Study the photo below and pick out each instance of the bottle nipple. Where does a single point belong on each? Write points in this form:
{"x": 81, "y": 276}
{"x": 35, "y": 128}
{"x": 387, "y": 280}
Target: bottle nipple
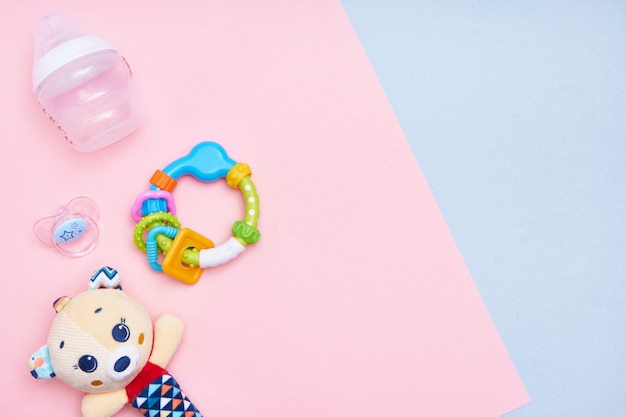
{"x": 60, "y": 40}
{"x": 54, "y": 29}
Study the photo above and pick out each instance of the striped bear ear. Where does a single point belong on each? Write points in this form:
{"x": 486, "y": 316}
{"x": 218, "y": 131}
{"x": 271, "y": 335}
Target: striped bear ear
{"x": 40, "y": 365}
{"x": 105, "y": 277}
{"x": 60, "y": 303}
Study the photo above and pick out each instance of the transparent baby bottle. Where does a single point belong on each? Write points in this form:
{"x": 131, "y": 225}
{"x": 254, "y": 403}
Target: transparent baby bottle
{"x": 83, "y": 84}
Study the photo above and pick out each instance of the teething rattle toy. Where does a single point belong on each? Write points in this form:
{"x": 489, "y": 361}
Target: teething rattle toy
{"x": 72, "y": 230}
{"x": 103, "y": 342}
{"x": 158, "y": 231}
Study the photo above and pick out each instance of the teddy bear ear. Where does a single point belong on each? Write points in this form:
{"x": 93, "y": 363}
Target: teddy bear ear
{"x": 60, "y": 303}
{"x": 40, "y": 365}
{"x": 105, "y": 277}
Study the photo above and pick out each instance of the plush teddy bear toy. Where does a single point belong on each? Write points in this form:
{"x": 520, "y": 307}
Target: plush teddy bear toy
{"x": 103, "y": 342}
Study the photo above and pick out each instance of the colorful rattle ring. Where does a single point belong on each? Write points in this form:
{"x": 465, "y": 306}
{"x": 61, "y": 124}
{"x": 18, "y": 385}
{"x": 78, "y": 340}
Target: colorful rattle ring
{"x": 158, "y": 231}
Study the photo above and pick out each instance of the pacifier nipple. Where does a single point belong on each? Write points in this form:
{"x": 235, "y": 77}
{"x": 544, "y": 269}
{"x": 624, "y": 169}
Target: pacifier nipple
{"x": 73, "y": 231}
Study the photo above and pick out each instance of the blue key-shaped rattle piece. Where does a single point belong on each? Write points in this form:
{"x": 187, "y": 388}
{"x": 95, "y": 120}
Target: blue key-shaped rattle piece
{"x": 207, "y": 161}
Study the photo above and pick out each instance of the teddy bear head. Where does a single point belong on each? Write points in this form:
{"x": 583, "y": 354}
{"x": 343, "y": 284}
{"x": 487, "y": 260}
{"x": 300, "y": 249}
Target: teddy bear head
{"x": 99, "y": 340}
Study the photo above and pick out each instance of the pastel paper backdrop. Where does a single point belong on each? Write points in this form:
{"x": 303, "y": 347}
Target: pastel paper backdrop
{"x": 355, "y": 302}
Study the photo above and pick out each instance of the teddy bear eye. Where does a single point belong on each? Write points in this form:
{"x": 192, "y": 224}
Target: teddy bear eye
{"x": 88, "y": 363}
{"x": 121, "y": 332}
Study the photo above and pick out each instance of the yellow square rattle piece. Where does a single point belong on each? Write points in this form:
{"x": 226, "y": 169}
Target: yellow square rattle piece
{"x": 174, "y": 262}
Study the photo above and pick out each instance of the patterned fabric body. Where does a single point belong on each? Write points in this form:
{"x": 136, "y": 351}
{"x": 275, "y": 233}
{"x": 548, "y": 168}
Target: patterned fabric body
{"x": 164, "y": 398}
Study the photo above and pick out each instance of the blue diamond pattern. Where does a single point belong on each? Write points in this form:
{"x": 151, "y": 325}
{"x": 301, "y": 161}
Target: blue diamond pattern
{"x": 164, "y": 394}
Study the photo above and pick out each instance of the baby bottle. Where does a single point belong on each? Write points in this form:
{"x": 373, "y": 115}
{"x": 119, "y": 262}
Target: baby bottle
{"x": 83, "y": 84}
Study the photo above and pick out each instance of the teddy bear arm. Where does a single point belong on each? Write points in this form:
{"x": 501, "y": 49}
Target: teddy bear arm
{"x": 103, "y": 404}
{"x": 168, "y": 332}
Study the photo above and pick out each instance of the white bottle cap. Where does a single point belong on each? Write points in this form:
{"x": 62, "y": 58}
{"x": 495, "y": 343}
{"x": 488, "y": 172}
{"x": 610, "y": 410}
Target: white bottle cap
{"x": 60, "y": 40}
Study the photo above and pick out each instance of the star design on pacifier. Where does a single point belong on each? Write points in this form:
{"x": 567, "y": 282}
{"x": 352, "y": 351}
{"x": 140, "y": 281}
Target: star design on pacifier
{"x": 67, "y": 235}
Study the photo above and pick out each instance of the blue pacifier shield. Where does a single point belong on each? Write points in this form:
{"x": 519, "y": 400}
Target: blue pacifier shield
{"x": 70, "y": 230}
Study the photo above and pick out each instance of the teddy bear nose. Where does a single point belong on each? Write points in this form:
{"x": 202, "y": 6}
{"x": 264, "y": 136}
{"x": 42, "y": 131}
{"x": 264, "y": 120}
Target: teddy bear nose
{"x": 121, "y": 364}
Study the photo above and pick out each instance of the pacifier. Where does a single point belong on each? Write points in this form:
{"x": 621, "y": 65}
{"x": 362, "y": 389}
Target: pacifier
{"x": 73, "y": 231}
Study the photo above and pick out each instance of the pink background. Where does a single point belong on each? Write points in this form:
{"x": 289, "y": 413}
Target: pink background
{"x": 355, "y": 302}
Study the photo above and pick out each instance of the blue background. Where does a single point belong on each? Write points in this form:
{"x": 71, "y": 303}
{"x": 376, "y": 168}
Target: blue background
{"x": 516, "y": 113}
